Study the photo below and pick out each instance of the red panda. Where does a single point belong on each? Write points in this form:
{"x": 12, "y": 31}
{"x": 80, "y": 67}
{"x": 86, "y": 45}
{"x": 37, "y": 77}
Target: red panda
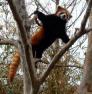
{"x": 53, "y": 27}
{"x": 14, "y": 65}
{"x": 44, "y": 37}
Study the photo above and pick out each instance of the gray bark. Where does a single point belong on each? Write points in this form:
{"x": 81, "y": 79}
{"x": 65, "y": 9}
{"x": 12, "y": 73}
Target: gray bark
{"x": 86, "y": 84}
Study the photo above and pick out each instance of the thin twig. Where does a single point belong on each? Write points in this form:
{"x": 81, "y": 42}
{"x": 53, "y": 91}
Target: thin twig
{"x": 58, "y": 65}
{"x": 5, "y": 41}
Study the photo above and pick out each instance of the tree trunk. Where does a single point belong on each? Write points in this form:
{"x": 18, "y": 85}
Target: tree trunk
{"x": 86, "y": 84}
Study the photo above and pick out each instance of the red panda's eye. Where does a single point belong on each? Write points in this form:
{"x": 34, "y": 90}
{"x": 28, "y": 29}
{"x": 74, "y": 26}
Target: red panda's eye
{"x": 63, "y": 16}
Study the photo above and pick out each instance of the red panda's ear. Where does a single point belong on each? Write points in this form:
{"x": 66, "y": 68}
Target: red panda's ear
{"x": 59, "y": 8}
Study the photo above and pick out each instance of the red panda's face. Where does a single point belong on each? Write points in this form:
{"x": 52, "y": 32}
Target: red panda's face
{"x": 63, "y": 13}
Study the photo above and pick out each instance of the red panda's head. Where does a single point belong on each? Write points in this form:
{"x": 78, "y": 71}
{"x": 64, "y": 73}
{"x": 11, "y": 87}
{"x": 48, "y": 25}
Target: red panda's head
{"x": 63, "y": 12}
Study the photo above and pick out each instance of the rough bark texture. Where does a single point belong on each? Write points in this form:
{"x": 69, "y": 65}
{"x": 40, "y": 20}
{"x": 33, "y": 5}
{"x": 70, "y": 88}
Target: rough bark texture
{"x": 20, "y": 15}
{"x": 86, "y": 85}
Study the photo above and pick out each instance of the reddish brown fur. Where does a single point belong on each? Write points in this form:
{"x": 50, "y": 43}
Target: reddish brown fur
{"x": 47, "y": 35}
{"x": 13, "y": 66}
{"x": 38, "y": 36}
{"x": 34, "y": 41}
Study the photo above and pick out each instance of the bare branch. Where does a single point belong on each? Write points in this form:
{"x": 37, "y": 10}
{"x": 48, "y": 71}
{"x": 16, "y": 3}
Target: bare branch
{"x": 24, "y": 41}
{"x": 81, "y": 32}
{"x": 84, "y": 21}
{"x": 9, "y": 42}
{"x": 71, "y": 3}
{"x": 78, "y": 16}
{"x": 5, "y": 41}
{"x": 38, "y": 4}
{"x": 58, "y": 65}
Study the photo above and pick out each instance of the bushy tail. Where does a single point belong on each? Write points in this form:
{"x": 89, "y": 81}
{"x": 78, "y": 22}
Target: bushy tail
{"x": 13, "y": 66}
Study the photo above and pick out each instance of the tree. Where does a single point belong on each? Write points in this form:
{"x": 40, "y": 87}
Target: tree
{"x": 86, "y": 84}
{"x": 31, "y": 81}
